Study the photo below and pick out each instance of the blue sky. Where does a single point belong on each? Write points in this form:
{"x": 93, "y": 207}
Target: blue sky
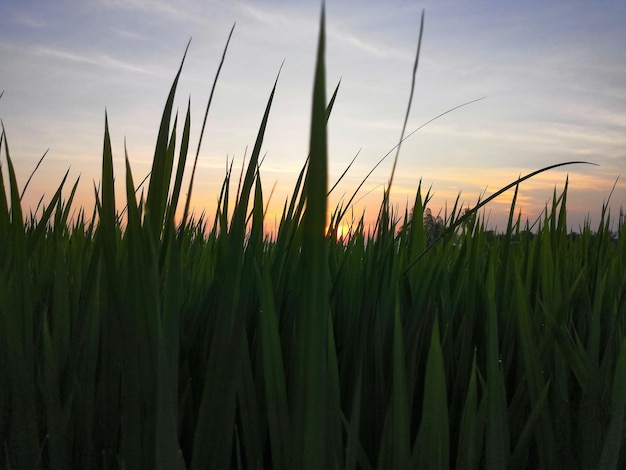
{"x": 553, "y": 74}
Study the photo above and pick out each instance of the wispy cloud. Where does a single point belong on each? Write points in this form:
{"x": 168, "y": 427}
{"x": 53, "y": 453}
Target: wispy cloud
{"x": 26, "y": 19}
{"x": 112, "y": 62}
{"x": 280, "y": 20}
{"x": 372, "y": 48}
{"x": 172, "y": 11}
{"x": 125, "y": 33}
{"x": 543, "y": 135}
{"x": 100, "y": 60}
{"x": 65, "y": 55}
{"x": 144, "y": 5}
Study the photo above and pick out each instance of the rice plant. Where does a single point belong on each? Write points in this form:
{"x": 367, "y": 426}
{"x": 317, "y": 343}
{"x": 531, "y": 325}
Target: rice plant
{"x": 131, "y": 340}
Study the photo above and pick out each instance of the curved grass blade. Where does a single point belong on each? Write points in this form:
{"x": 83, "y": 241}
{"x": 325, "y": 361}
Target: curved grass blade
{"x": 4, "y": 205}
{"x": 68, "y": 205}
{"x": 206, "y": 115}
{"x": 344, "y": 173}
{"x": 16, "y": 208}
{"x": 408, "y": 108}
{"x": 384, "y": 157}
{"x": 238, "y": 223}
{"x": 33, "y": 173}
{"x": 470, "y": 213}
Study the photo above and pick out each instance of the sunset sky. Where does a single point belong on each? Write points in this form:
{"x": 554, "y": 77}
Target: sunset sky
{"x": 553, "y": 74}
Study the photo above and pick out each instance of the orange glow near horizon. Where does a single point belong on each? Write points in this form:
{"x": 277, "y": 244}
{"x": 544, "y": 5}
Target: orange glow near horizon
{"x": 533, "y": 197}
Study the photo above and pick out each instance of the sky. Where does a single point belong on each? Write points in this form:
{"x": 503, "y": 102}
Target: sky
{"x": 553, "y": 75}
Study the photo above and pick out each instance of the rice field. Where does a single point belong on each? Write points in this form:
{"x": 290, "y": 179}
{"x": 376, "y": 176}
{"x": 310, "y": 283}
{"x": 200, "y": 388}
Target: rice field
{"x": 131, "y": 338}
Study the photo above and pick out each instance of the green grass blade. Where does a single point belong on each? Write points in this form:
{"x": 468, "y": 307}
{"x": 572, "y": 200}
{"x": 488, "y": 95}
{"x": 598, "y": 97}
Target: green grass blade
{"x": 134, "y": 221}
{"x": 16, "y": 207}
{"x": 408, "y": 108}
{"x": 312, "y": 382}
{"x": 400, "y": 401}
{"x": 56, "y": 349}
{"x": 206, "y": 114}
{"x": 106, "y": 414}
{"x": 4, "y": 205}
{"x": 252, "y": 433}
{"x": 157, "y": 197}
{"x": 469, "y": 450}
{"x": 518, "y": 458}
{"x": 497, "y": 438}
{"x": 352, "y": 427}
{"x": 256, "y": 230}
{"x": 169, "y": 164}
{"x": 614, "y": 439}
{"x": 335, "y": 448}
{"x": 274, "y": 377}
{"x": 68, "y": 204}
{"x": 44, "y": 220}
{"x": 432, "y": 446}
{"x": 213, "y": 439}
{"x": 343, "y": 174}
{"x": 293, "y": 213}
{"x": 182, "y": 159}
{"x": 238, "y": 223}
{"x": 168, "y": 454}
{"x": 107, "y": 214}
{"x": 33, "y": 173}
{"x": 533, "y": 369}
